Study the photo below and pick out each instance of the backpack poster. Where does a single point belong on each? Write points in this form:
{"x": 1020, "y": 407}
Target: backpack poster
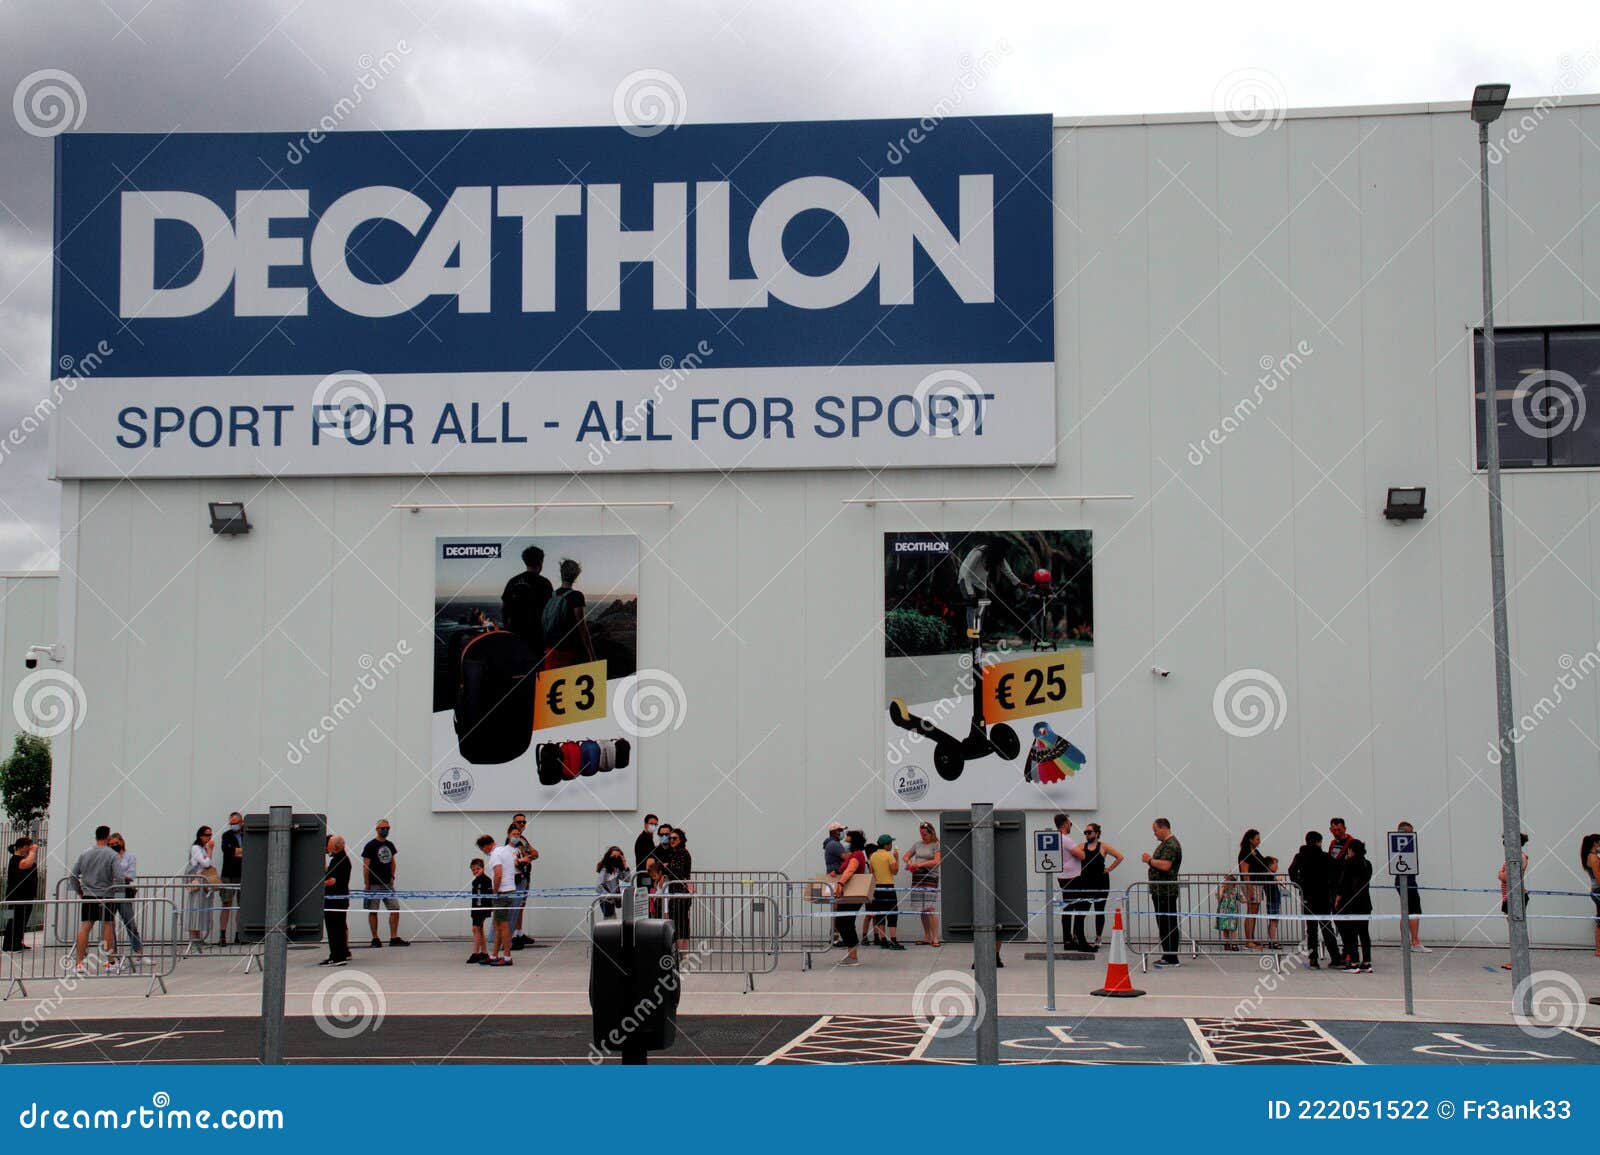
{"x": 989, "y": 671}
{"x": 534, "y": 659}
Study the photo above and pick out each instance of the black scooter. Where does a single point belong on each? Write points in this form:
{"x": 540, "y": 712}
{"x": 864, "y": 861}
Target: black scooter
{"x": 950, "y": 754}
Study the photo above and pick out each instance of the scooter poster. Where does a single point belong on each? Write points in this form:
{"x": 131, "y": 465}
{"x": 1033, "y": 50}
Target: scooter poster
{"x": 989, "y": 671}
{"x": 534, "y": 667}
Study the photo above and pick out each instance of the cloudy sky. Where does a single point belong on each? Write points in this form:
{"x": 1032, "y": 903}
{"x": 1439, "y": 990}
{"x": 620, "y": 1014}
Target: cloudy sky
{"x": 163, "y": 65}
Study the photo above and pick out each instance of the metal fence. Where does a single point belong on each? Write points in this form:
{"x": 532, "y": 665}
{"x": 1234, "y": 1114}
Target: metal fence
{"x": 1204, "y": 927}
{"x": 743, "y": 921}
{"x": 34, "y": 960}
{"x": 199, "y": 905}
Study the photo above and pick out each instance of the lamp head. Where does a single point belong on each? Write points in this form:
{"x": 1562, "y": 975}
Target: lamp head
{"x": 1489, "y": 101}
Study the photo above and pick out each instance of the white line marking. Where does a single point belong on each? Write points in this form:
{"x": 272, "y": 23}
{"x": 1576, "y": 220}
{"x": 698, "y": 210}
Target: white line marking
{"x": 798, "y": 1039}
{"x": 1207, "y": 1055}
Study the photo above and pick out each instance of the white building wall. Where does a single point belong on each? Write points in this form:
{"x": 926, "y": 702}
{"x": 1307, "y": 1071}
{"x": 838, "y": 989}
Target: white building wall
{"x": 1186, "y": 259}
{"x": 27, "y": 618}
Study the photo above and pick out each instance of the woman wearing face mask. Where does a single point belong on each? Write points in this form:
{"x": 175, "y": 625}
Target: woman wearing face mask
{"x": 611, "y": 871}
{"x": 200, "y": 878}
{"x": 678, "y": 865}
{"x": 128, "y": 874}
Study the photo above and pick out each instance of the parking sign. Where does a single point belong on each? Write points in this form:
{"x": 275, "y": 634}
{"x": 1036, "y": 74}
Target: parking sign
{"x": 1047, "y": 851}
{"x": 1402, "y": 853}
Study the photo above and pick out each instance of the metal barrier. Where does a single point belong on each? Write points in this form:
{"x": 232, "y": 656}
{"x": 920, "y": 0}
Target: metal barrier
{"x": 1199, "y": 919}
{"x": 742, "y": 921}
{"x": 39, "y": 961}
{"x": 199, "y": 905}
{"x": 732, "y": 930}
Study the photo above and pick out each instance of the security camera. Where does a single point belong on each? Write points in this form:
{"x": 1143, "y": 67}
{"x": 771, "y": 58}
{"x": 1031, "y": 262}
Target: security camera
{"x": 55, "y": 651}
{"x": 1160, "y": 671}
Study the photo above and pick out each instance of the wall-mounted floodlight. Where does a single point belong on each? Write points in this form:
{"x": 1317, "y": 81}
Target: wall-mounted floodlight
{"x": 1406, "y": 502}
{"x": 227, "y": 517}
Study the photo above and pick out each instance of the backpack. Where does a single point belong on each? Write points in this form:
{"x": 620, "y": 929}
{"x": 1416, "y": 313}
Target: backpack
{"x": 548, "y": 759}
{"x": 556, "y": 619}
{"x": 494, "y": 707}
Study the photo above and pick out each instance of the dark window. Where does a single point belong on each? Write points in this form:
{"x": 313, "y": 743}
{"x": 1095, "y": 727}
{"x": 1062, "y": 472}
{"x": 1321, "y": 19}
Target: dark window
{"x": 1545, "y": 380}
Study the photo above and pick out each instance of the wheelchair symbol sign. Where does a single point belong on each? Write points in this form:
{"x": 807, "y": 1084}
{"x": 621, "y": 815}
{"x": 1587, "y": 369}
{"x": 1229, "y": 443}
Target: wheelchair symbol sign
{"x": 1046, "y": 851}
{"x": 1403, "y": 853}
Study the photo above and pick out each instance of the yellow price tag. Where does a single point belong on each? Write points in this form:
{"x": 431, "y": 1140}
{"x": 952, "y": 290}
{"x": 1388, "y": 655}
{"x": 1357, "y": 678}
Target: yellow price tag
{"x": 1042, "y": 684}
{"x": 569, "y": 694}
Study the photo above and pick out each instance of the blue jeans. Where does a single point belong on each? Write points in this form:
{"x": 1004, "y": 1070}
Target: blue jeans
{"x": 125, "y": 913}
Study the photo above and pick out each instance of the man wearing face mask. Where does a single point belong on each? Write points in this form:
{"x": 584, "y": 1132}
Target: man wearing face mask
{"x": 644, "y": 846}
{"x": 232, "y": 872}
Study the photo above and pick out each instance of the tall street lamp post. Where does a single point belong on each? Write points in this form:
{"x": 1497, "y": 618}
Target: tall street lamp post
{"x": 1488, "y": 101}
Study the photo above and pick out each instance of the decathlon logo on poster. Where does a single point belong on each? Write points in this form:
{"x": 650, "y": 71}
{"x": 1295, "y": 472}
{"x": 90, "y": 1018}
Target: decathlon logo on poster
{"x": 487, "y": 550}
{"x": 921, "y": 545}
{"x": 456, "y": 785}
{"x": 911, "y": 783}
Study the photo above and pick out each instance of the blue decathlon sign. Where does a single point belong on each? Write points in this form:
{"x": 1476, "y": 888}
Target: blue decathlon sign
{"x": 541, "y": 299}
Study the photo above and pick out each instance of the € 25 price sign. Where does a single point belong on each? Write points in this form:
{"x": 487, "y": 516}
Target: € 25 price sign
{"x": 1041, "y": 684}
{"x": 570, "y": 694}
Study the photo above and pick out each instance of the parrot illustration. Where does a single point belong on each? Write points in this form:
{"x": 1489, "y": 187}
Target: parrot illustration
{"x": 1051, "y": 758}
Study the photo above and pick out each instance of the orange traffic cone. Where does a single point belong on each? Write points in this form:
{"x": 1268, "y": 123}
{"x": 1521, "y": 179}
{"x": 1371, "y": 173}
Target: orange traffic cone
{"x": 1118, "y": 984}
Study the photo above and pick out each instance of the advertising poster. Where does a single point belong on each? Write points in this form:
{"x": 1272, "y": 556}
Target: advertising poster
{"x": 989, "y": 680}
{"x": 535, "y": 648}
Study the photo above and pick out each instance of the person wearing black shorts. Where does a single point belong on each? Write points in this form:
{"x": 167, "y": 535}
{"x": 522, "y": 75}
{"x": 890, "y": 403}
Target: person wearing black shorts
{"x": 1411, "y": 900}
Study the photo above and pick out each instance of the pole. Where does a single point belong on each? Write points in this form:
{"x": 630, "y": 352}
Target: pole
{"x": 1511, "y": 824}
{"x": 1405, "y": 948}
{"x": 983, "y": 934}
{"x": 1049, "y": 945}
{"x": 275, "y": 959}
{"x": 633, "y": 1053}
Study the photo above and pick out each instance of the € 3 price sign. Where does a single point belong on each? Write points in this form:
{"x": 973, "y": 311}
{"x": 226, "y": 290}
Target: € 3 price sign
{"x": 569, "y": 694}
{"x": 1041, "y": 684}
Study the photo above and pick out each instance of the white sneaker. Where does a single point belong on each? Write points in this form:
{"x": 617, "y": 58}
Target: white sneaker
{"x": 1419, "y": 948}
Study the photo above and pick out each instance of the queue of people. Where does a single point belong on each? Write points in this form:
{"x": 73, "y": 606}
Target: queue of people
{"x": 869, "y": 883}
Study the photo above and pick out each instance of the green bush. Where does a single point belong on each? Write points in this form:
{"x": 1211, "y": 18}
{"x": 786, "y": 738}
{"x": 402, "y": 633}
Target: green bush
{"x": 25, "y": 781}
{"x": 911, "y": 633}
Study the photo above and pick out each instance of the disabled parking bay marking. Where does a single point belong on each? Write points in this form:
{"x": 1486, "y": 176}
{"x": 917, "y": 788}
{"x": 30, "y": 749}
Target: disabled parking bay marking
{"x": 1444, "y": 1043}
{"x": 1089, "y": 1040}
{"x": 1248, "y": 1041}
